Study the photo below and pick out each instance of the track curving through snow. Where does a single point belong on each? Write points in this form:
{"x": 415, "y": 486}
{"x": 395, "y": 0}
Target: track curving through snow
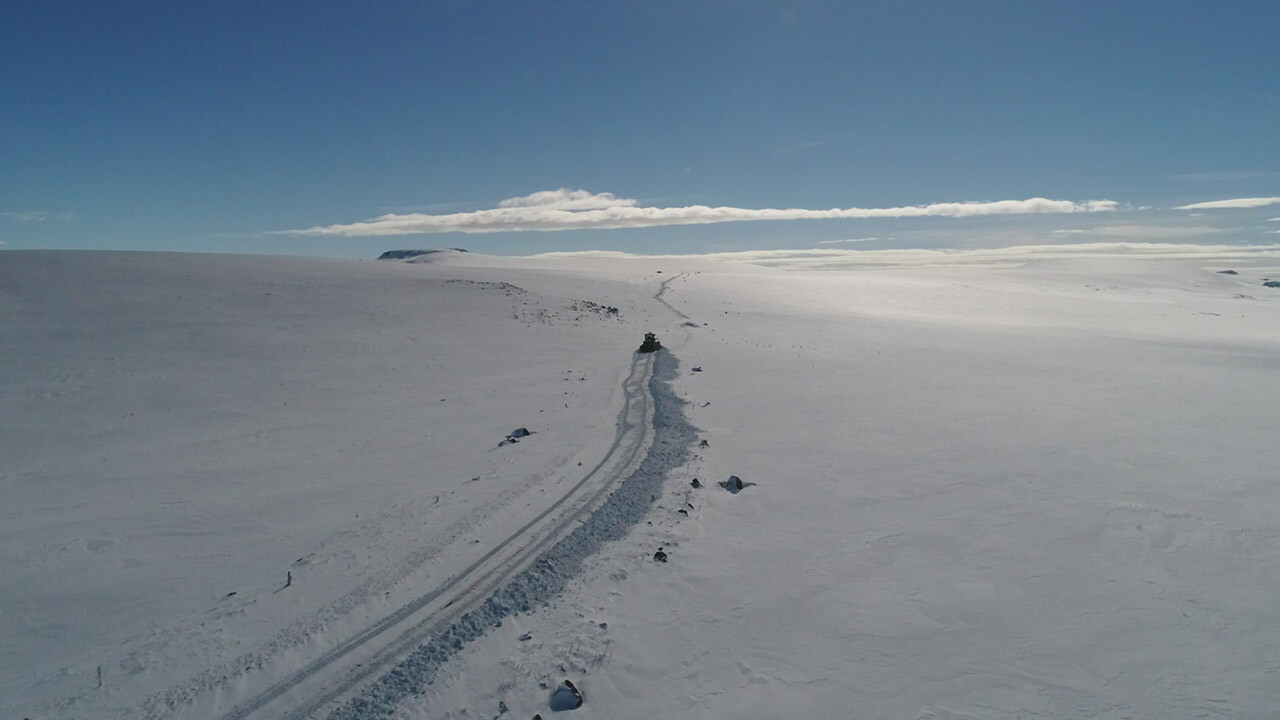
{"x": 524, "y": 570}
{"x": 663, "y": 287}
{"x": 553, "y": 567}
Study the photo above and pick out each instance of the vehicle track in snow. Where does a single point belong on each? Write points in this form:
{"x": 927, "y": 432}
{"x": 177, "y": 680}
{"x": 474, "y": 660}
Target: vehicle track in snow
{"x": 383, "y": 643}
{"x": 662, "y": 290}
{"x": 553, "y": 568}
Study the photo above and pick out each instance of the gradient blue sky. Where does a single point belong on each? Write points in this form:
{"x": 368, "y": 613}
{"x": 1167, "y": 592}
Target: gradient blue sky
{"x": 210, "y": 126}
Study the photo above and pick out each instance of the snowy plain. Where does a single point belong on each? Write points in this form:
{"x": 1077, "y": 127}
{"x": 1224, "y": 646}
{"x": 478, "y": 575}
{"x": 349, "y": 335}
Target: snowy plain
{"x": 1031, "y": 482}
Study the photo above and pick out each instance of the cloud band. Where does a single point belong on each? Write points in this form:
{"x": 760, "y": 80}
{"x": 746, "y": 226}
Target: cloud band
{"x": 1232, "y": 203}
{"x": 563, "y": 209}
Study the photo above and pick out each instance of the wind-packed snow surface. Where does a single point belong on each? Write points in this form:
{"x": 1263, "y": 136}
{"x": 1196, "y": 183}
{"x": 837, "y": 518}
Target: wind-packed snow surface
{"x": 1036, "y": 482}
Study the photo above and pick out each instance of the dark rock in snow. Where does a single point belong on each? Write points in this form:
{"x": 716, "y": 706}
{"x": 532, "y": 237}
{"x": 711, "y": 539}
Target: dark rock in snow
{"x": 515, "y": 435}
{"x": 735, "y": 485}
{"x": 659, "y": 556}
{"x": 1228, "y": 272}
{"x": 1272, "y": 283}
{"x": 695, "y": 483}
{"x": 696, "y": 369}
{"x": 566, "y": 697}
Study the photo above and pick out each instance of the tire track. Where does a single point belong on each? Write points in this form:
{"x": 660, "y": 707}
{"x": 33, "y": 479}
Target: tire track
{"x": 480, "y": 577}
{"x": 662, "y": 290}
{"x": 551, "y": 572}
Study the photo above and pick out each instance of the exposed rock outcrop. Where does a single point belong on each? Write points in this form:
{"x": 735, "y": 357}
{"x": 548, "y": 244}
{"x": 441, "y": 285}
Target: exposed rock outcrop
{"x": 566, "y": 697}
{"x": 406, "y": 254}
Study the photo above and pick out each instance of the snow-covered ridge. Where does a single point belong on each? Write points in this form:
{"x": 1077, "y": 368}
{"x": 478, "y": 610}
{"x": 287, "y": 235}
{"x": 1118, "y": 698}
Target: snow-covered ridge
{"x": 419, "y": 255}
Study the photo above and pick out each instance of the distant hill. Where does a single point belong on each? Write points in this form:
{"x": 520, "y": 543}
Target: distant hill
{"x": 407, "y": 254}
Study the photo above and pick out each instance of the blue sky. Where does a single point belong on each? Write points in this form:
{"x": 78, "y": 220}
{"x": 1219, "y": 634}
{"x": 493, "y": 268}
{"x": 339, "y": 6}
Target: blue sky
{"x": 215, "y": 127}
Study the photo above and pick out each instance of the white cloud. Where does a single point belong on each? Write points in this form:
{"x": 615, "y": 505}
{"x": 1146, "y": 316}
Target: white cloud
{"x": 809, "y": 145}
{"x": 37, "y": 216}
{"x": 1232, "y": 203}
{"x": 1273, "y": 219}
{"x": 1144, "y": 232}
{"x": 565, "y": 199}
{"x": 850, "y": 240}
{"x": 564, "y": 209}
{"x": 27, "y": 216}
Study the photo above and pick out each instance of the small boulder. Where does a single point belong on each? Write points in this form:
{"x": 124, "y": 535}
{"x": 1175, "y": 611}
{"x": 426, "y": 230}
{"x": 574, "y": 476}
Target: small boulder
{"x": 1228, "y": 272}
{"x": 566, "y": 697}
{"x": 1272, "y": 283}
{"x": 697, "y": 369}
{"x": 696, "y": 484}
{"x": 515, "y": 435}
{"x": 735, "y": 485}
{"x": 660, "y": 556}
